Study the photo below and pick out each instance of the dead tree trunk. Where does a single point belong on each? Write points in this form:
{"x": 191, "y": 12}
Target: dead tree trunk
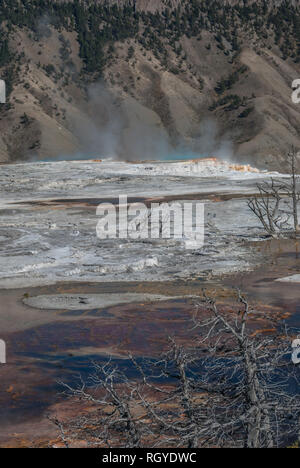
{"x": 292, "y": 160}
{"x": 270, "y": 205}
{"x": 227, "y": 390}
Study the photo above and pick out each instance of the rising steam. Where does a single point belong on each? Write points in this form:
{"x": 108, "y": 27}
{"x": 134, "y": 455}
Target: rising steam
{"x": 124, "y": 129}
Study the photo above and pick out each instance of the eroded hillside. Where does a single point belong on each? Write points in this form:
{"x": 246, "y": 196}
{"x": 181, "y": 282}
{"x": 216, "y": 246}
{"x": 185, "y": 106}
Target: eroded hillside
{"x": 125, "y": 80}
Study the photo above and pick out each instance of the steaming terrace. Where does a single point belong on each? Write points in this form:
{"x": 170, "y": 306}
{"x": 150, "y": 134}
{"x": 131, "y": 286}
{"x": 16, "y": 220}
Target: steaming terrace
{"x": 48, "y": 221}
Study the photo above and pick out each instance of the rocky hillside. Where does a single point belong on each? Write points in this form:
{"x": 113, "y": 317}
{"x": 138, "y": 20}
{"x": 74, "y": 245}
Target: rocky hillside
{"x": 146, "y": 80}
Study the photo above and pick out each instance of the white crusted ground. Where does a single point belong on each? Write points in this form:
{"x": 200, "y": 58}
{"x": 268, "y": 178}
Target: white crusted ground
{"x": 89, "y": 301}
{"x": 48, "y": 233}
{"x": 290, "y": 279}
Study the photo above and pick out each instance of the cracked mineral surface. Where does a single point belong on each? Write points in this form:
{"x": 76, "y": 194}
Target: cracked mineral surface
{"x": 48, "y": 221}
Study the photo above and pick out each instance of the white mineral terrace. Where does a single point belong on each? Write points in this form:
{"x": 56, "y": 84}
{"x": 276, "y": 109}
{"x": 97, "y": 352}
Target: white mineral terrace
{"x": 48, "y": 221}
